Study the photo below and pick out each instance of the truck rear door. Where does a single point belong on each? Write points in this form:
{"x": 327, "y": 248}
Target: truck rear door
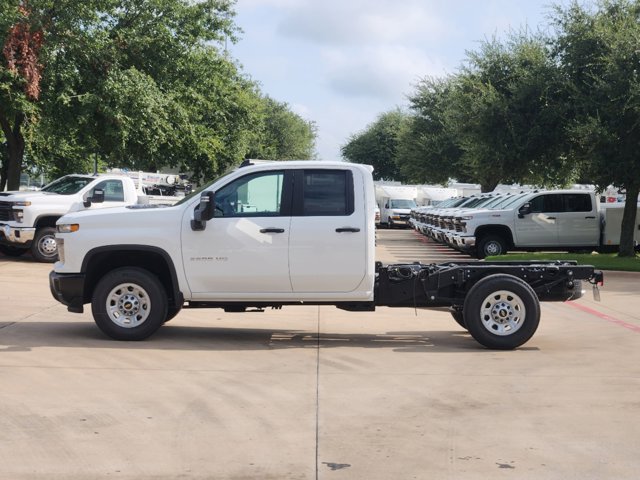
{"x": 579, "y": 221}
{"x": 327, "y": 245}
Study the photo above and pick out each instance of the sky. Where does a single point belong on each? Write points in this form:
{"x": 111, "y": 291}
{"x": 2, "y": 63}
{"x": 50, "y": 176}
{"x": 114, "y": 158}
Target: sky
{"x": 341, "y": 63}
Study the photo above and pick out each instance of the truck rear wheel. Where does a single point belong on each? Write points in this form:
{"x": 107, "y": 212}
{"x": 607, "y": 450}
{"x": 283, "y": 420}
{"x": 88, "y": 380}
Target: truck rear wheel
{"x": 501, "y": 312}
{"x": 44, "y": 248}
{"x": 129, "y": 304}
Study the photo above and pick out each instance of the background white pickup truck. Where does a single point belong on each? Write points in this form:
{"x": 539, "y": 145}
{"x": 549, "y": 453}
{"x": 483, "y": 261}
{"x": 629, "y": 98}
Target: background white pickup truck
{"x": 28, "y": 219}
{"x": 556, "y": 220}
{"x": 282, "y": 233}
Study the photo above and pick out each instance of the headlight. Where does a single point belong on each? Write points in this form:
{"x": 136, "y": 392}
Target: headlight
{"x": 68, "y": 227}
{"x": 18, "y": 215}
{"x": 21, "y": 204}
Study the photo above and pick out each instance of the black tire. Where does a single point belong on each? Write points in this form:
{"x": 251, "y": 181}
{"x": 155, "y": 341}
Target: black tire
{"x": 491, "y": 245}
{"x": 129, "y": 303}
{"x": 11, "y": 251}
{"x": 44, "y": 248}
{"x": 501, "y": 312}
{"x": 458, "y": 316}
{"x": 172, "y": 312}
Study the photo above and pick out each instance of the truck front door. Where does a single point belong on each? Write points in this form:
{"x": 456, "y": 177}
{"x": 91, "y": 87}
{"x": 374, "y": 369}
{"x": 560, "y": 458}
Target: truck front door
{"x": 539, "y": 227}
{"x": 244, "y": 248}
{"x": 113, "y": 194}
{"x": 327, "y": 252}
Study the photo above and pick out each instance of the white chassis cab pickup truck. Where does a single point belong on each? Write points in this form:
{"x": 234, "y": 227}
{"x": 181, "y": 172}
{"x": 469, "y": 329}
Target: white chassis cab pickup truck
{"x": 28, "y": 219}
{"x": 282, "y": 233}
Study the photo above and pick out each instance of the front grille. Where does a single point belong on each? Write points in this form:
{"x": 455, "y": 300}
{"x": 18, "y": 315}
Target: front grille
{"x": 6, "y": 212}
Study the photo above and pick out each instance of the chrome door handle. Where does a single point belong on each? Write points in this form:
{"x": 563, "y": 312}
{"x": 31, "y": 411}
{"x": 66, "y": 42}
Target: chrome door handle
{"x": 272, "y": 230}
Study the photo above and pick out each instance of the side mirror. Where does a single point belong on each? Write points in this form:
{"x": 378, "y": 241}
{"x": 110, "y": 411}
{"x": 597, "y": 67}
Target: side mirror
{"x": 98, "y": 197}
{"x": 203, "y": 212}
{"x": 524, "y": 210}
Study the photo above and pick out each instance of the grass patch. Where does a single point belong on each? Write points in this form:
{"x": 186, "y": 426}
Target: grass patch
{"x": 602, "y": 261}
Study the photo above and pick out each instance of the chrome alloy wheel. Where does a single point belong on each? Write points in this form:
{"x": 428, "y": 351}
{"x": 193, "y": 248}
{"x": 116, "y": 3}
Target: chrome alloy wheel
{"x": 47, "y": 246}
{"x": 128, "y": 305}
{"x": 493, "y": 248}
{"x": 503, "y": 313}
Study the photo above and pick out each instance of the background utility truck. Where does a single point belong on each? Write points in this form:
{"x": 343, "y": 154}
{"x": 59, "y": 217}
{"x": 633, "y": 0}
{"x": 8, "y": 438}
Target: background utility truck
{"x": 395, "y": 203}
{"x": 28, "y": 219}
{"x": 282, "y": 233}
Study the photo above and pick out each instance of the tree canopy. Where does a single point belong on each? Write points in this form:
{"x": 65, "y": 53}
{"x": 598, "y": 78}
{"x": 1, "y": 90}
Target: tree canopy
{"x": 378, "y": 144}
{"x": 531, "y": 109}
{"x": 138, "y": 84}
{"x": 598, "y": 52}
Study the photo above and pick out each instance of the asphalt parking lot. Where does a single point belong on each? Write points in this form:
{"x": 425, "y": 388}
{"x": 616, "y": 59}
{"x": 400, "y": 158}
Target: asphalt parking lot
{"x": 315, "y": 392}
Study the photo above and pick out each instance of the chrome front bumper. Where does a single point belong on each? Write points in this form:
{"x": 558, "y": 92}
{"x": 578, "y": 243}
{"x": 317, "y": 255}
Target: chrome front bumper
{"x": 464, "y": 243}
{"x": 16, "y": 235}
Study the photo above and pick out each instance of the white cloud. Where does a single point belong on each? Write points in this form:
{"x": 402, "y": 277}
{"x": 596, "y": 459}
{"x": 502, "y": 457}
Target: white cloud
{"x": 341, "y": 63}
{"x": 385, "y": 72}
{"x": 303, "y": 110}
{"x": 362, "y": 22}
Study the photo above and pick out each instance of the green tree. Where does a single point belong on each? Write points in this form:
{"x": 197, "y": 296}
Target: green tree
{"x": 378, "y": 145}
{"x": 428, "y": 151}
{"x": 598, "y": 49}
{"x": 118, "y": 79}
{"x": 507, "y": 112}
{"x": 282, "y": 134}
{"x": 22, "y": 34}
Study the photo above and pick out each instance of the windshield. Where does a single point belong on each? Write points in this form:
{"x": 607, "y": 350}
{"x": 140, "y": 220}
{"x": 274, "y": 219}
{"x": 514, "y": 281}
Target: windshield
{"x": 474, "y": 201}
{"x": 495, "y": 201}
{"x": 511, "y": 199}
{"x": 67, "y": 185}
{"x": 401, "y": 203}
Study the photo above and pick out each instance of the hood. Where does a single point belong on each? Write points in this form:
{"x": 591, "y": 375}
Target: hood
{"x": 124, "y": 214}
{"x": 23, "y": 196}
{"x": 400, "y": 210}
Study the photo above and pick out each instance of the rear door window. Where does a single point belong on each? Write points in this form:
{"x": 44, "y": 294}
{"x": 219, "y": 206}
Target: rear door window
{"x": 326, "y": 193}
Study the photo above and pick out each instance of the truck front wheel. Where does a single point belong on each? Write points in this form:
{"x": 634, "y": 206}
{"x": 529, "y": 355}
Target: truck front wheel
{"x": 44, "y": 248}
{"x": 501, "y": 312}
{"x": 129, "y": 304}
{"x": 491, "y": 245}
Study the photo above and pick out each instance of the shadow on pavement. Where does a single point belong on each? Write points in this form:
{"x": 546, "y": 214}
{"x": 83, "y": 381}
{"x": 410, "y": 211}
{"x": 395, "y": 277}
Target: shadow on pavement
{"x": 24, "y": 336}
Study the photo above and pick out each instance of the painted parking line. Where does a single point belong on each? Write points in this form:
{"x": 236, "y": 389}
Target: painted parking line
{"x": 608, "y": 318}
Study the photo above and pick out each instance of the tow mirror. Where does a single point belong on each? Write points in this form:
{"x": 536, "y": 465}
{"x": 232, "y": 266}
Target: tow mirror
{"x": 203, "y": 212}
{"x": 98, "y": 197}
{"x": 524, "y": 210}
